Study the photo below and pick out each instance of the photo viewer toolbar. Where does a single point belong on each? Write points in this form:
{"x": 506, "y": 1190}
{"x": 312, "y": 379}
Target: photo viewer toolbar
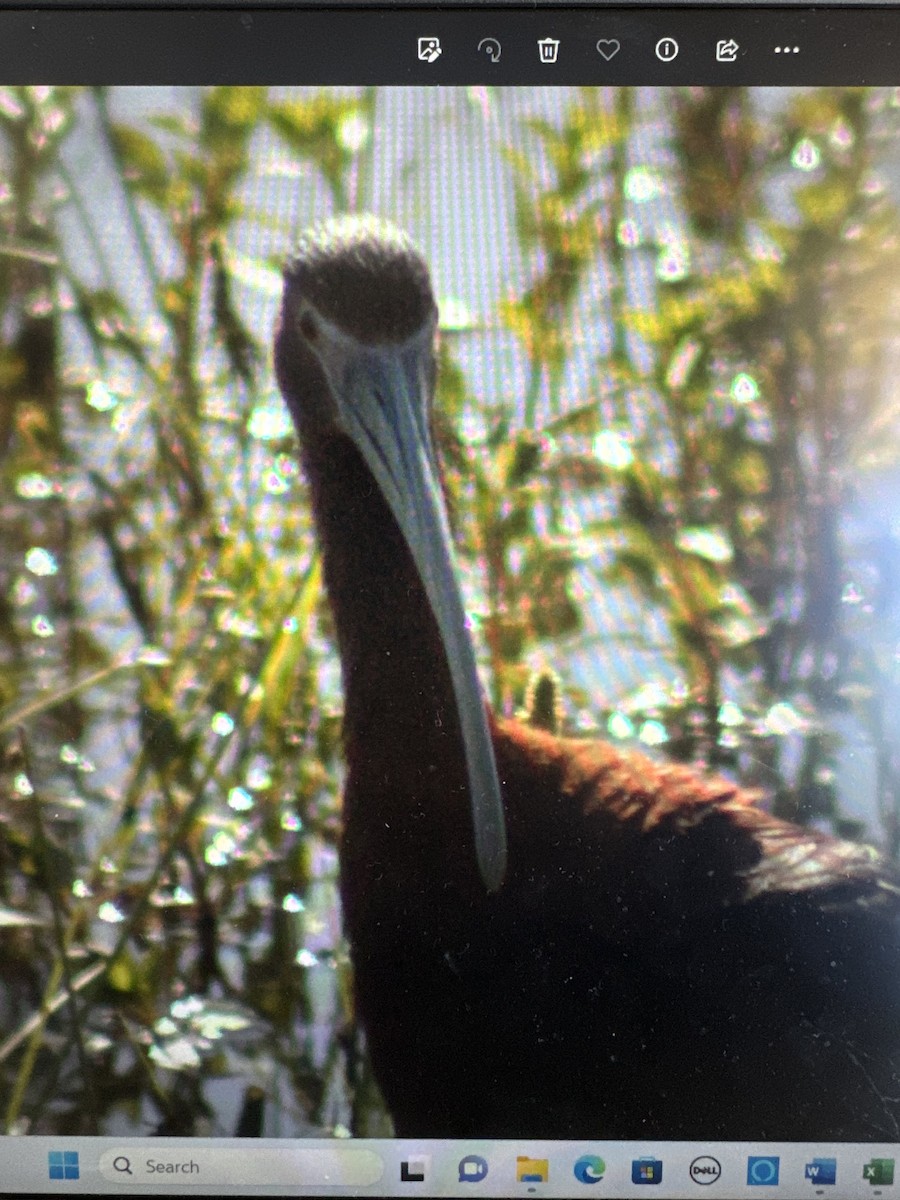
{"x": 433, "y": 46}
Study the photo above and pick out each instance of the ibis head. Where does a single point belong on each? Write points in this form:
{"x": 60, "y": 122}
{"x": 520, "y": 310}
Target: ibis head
{"x": 355, "y": 356}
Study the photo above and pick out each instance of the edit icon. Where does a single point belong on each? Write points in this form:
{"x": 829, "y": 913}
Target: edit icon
{"x": 429, "y": 49}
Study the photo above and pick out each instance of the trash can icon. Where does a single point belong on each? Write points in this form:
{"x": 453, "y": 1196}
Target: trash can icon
{"x": 548, "y": 49}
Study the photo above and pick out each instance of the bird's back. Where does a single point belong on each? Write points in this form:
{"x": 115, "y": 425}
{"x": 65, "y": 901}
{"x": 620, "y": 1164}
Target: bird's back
{"x": 665, "y": 957}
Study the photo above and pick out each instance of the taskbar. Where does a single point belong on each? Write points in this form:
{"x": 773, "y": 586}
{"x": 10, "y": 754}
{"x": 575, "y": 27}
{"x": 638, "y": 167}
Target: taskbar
{"x": 37, "y": 1166}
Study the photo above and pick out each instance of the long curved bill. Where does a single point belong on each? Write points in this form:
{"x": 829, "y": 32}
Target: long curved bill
{"x": 385, "y": 414}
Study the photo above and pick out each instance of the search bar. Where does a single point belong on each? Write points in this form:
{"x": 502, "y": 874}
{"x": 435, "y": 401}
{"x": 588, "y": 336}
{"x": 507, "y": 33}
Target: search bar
{"x": 143, "y": 1165}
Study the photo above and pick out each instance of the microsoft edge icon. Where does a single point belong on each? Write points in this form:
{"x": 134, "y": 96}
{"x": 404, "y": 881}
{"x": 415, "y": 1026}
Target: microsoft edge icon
{"x": 589, "y": 1168}
{"x": 762, "y": 1170}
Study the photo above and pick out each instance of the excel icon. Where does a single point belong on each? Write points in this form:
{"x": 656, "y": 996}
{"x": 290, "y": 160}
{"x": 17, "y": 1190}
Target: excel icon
{"x": 879, "y": 1172}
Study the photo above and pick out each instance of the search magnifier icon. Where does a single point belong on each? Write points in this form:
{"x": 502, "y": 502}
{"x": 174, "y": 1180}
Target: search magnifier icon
{"x": 123, "y": 1165}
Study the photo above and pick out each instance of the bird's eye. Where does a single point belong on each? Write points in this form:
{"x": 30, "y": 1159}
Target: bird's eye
{"x": 309, "y": 328}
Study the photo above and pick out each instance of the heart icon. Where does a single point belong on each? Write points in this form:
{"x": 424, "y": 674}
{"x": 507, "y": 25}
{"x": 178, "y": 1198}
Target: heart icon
{"x": 608, "y": 48}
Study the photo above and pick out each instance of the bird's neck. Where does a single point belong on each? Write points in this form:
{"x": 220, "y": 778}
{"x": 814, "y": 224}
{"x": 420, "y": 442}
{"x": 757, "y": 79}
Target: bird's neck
{"x": 400, "y": 715}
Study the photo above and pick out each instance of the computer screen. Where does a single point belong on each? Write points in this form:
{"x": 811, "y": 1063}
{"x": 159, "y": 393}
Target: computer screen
{"x": 449, "y": 618}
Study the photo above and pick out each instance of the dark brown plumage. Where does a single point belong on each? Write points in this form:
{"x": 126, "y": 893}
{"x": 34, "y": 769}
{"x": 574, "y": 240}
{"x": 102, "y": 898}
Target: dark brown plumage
{"x": 662, "y": 958}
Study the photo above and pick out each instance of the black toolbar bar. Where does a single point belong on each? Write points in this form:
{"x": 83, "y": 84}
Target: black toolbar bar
{"x": 653, "y": 46}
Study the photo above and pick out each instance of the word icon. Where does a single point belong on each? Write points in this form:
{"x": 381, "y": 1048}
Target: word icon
{"x": 429, "y": 49}
{"x": 548, "y": 49}
{"x": 821, "y": 1170}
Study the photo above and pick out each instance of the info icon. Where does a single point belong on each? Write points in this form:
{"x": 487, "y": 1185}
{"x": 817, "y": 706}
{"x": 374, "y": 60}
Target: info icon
{"x": 472, "y": 1169}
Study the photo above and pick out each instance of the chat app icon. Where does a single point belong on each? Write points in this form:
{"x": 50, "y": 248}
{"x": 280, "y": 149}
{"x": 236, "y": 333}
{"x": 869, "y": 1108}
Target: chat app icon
{"x": 472, "y": 1169}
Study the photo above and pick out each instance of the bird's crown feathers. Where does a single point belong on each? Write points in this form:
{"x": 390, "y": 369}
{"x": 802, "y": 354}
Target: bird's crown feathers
{"x": 365, "y": 276}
